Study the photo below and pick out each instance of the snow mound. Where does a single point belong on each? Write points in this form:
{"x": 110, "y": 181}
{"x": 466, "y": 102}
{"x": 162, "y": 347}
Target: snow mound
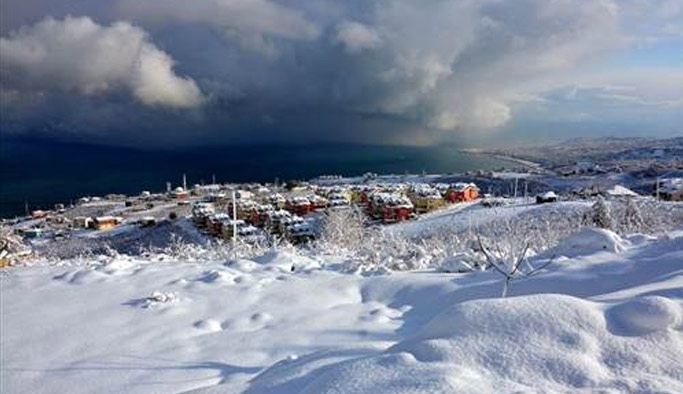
{"x": 640, "y": 239}
{"x": 214, "y": 276}
{"x": 539, "y": 343}
{"x": 644, "y": 315}
{"x": 590, "y": 240}
{"x": 242, "y": 265}
{"x": 287, "y": 261}
{"x": 461, "y": 262}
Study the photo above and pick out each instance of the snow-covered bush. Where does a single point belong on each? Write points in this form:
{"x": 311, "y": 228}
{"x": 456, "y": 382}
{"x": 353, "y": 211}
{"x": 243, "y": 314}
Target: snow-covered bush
{"x": 647, "y": 216}
{"x": 180, "y": 250}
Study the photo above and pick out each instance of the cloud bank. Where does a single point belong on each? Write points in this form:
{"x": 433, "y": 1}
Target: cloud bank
{"x": 78, "y": 55}
{"x": 361, "y": 71}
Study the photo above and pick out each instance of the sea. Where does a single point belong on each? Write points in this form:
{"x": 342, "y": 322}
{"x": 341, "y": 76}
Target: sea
{"x": 40, "y": 174}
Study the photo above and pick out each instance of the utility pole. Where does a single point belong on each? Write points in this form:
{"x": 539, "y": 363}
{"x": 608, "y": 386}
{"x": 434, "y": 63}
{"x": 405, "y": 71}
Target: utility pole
{"x": 234, "y": 217}
{"x": 516, "y": 180}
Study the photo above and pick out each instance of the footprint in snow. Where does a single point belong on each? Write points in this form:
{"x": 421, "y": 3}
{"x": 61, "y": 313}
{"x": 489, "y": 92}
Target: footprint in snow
{"x": 208, "y": 325}
{"x": 255, "y": 322}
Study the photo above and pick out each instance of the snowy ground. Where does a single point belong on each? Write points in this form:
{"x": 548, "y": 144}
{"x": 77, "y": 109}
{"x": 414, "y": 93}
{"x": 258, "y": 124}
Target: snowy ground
{"x": 607, "y": 318}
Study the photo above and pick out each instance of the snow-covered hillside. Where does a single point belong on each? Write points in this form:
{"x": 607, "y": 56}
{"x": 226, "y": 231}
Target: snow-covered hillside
{"x": 608, "y": 318}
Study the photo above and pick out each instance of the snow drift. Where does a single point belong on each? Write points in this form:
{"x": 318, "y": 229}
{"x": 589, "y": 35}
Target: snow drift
{"x": 541, "y": 343}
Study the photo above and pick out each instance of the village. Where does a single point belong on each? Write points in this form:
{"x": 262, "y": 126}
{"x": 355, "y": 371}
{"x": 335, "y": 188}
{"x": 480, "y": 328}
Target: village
{"x": 293, "y": 211}
{"x": 248, "y": 211}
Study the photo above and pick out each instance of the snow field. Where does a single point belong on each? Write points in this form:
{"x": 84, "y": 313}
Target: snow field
{"x": 606, "y": 316}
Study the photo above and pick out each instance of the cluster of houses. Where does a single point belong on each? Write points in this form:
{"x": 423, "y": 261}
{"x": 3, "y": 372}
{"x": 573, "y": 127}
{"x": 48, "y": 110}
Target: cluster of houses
{"x": 253, "y": 210}
{"x": 395, "y": 203}
{"x": 251, "y": 218}
{"x": 257, "y": 210}
{"x": 60, "y": 222}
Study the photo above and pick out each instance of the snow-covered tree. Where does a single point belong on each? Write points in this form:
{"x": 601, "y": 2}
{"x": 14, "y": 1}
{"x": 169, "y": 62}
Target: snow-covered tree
{"x": 633, "y": 220}
{"x": 600, "y": 214}
{"x": 10, "y": 246}
{"x": 343, "y": 229}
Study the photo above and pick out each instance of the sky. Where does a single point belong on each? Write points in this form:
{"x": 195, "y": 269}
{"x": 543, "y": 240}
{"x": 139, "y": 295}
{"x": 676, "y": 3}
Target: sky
{"x": 166, "y": 73}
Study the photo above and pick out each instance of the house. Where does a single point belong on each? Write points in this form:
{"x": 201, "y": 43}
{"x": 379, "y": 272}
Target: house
{"x": 619, "y": 191}
{"x": 277, "y": 220}
{"x": 362, "y": 194}
{"x": 260, "y": 214}
{"x": 337, "y": 192}
{"x": 38, "y": 214}
{"x": 390, "y": 208}
{"x": 425, "y": 199}
{"x": 671, "y": 189}
{"x": 397, "y": 210}
{"x": 200, "y": 212}
{"x": 338, "y": 203}
{"x": 586, "y": 191}
{"x": 180, "y": 194}
{"x": 245, "y": 209}
{"x": 299, "y": 206}
{"x": 300, "y": 233}
{"x": 288, "y": 223}
{"x": 215, "y": 222}
{"x": 547, "y": 197}
{"x": 205, "y": 190}
{"x": 243, "y": 195}
{"x": 33, "y": 233}
{"x": 277, "y": 201}
{"x": 104, "y": 222}
{"x": 82, "y": 222}
{"x": 318, "y": 202}
{"x": 461, "y": 192}
{"x": 147, "y": 221}
{"x": 56, "y": 219}
{"x": 343, "y": 196}
{"x": 243, "y": 229}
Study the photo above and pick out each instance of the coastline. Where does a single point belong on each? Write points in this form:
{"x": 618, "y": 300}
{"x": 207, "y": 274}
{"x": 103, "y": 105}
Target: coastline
{"x": 526, "y": 163}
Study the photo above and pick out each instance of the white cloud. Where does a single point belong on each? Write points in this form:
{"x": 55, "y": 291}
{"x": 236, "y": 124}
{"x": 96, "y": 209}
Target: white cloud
{"x": 76, "y": 54}
{"x": 357, "y": 37}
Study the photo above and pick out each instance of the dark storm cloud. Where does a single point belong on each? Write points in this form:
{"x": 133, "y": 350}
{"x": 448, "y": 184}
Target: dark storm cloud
{"x": 205, "y": 71}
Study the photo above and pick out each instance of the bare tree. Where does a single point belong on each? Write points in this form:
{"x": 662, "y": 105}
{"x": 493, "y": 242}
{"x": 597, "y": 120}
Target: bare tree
{"x": 512, "y": 265}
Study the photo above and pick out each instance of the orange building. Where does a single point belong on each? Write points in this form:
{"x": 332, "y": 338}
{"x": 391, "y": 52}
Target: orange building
{"x": 461, "y": 192}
